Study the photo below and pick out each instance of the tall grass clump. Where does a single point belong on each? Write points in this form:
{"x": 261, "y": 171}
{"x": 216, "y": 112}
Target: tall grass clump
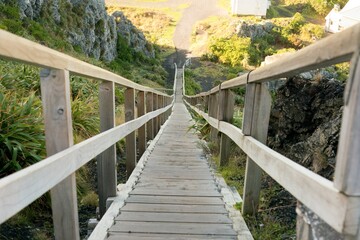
{"x": 21, "y": 132}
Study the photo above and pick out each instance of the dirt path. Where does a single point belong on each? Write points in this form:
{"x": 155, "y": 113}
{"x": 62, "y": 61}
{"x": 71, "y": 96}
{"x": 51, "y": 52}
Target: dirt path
{"x": 197, "y": 11}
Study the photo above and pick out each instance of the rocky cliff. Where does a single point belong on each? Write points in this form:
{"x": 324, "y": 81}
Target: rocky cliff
{"x": 88, "y": 26}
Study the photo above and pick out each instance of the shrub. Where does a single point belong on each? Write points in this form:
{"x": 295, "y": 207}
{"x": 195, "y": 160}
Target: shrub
{"x": 232, "y": 51}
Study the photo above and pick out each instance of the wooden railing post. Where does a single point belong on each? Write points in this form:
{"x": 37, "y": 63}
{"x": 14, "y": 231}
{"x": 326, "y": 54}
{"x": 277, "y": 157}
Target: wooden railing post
{"x": 55, "y": 94}
{"x": 213, "y": 108}
{"x": 142, "y": 130}
{"x": 347, "y": 171}
{"x": 149, "y": 124}
{"x": 255, "y": 124}
{"x": 156, "y": 119}
{"x": 106, "y": 161}
{"x": 226, "y": 113}
{"x": 159, "y": 105}
{"x": 130, "y": 140}
{"x": 206, "y": 103}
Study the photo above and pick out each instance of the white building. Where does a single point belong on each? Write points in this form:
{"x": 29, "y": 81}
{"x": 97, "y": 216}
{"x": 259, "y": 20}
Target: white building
{"x": 250, "y": 7}
{"x": 339, "y": 19}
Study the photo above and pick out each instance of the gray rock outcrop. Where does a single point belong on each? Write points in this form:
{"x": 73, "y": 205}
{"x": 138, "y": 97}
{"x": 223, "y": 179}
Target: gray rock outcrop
{"x": 135, "y": 38}
{"x": 88, "y": 26}
{"x": 254, "y": 30}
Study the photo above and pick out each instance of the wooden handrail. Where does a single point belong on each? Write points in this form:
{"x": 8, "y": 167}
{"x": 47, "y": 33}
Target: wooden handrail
{"x": 19, "y": 49}
{"x": 56, "y": 173}
{"x": 338, "y": 202}
{"x": 18, "y": 190}
{"x": 318, "y": 55}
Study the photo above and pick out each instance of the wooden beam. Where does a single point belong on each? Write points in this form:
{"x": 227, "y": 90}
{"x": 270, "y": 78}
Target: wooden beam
{"x": 142, "y": 130}
{"x": 213, "y": 109}
{"x": 55, "y": 94}
{"x": 226, "y": 113}
{"x": 130, "y": 140}
{"x": 260, "y": 102}
{"x": 149, "y": 108}
{"x": 347, "y": 171}
{"x": 156, "y": 120}
{"x": 160, "y": 118}
{"x": 106, "y": 161}
{"x": 20, "y": 49}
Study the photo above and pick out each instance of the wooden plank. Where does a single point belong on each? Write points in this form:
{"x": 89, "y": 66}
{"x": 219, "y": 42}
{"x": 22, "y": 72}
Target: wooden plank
{"x": 314, "y": 191}
{"x": 59, "y": 166}
{"x": 179, "y": 176}
{"x": 159, "y": 121}
{"x": 106, "y": 161}
{"x": 173, "y": 217}
{"x": 173, "y": 208}
{"x": 100, "y": 231}
{"x": 130, "y": 141}
{"x": 142, "y": 130}
{"x": 55, "y": 94}
{"x": 149, "y": 108}
{"x": 260, "y": 101}
{"x": 179, "y": 185}
{"x": 146, "y": 236}
{"x": 156, "y": 120}
{"x": 20, "y": 49}
{"x": 213, "y": 112}
{"x": 347, "y": 171}
{"x": 176, "y": 192}
{"x": 174, "y": 200}
{"x": 174, "y": 228}
{"x": 226, "y": 113}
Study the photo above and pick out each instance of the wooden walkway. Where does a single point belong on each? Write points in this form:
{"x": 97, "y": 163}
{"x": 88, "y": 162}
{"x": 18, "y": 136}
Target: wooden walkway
{"x": 176, "y": 195}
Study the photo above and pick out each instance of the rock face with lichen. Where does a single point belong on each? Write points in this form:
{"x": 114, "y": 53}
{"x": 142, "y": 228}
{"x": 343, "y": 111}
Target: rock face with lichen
{"x": 305, "y": 126}
{"x": 88, "y": 26}
{"x": 305, "y": 122}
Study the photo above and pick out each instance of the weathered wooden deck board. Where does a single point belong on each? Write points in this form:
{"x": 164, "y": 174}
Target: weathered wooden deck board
{"x": 141, "y": 236}
{"x": 176, "y": 195}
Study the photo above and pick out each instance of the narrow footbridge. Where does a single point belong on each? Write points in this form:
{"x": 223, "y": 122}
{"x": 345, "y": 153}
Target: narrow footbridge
{"x": 172, "y": 192}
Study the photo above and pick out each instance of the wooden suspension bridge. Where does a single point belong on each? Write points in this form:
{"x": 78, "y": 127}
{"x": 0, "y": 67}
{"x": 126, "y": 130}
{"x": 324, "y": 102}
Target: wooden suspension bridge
{"x": 171, "y": 192}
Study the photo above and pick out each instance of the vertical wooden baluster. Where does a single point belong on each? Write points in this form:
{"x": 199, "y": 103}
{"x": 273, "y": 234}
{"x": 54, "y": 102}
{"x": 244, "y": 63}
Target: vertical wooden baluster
{"x": 149, "y": 124}
{"x": 55, "y": 94}
{"x": 255, "y": 123}
{"x": 206, "y": 104}
{"x": 347, "y": 171}
{"x": 159, "y": 117}
{"x": 226, "y": 113}
{"x": 106, "y": 161}
{"x": 131, "y": 138}
{"x": 213, "y": 111}
{"x": 142, "y": 130}
{"x": 156, "y": 119}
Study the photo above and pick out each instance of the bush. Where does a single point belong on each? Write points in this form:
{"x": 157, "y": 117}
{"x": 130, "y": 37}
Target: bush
{"x": 191, "y": 86}
{"x": 233, "y": 51}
